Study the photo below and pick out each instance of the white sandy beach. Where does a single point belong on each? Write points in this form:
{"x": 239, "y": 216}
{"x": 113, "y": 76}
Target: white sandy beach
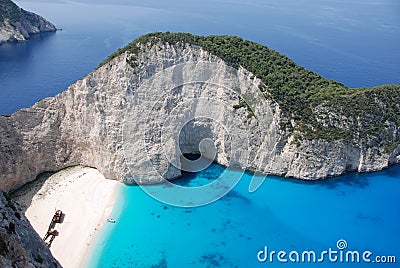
{"x": 85, "y": 197}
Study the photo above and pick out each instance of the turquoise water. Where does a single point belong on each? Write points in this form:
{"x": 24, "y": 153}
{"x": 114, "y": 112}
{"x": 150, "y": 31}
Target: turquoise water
{"x": 363, "y": 209}
{"x": 355, "y": 42}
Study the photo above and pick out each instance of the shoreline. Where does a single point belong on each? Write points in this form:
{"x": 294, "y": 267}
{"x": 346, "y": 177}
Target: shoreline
{"x": 91, "y": 243}
{"x": 86, "y": 199}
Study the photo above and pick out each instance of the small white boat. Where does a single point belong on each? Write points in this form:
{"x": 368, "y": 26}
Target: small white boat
{"x": 111, "y": 220}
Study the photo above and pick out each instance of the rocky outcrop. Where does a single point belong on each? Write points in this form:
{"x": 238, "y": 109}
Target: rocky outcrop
{"x": 20, "y": 245}
{"x": 18, "y": 25}
{"x": 134, "y": 116}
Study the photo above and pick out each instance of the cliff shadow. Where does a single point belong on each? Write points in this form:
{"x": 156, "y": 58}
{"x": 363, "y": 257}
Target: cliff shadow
{"x": 24, "y": 195}
{"x": 203, "y": 176}
{"x": 23, "y": 51}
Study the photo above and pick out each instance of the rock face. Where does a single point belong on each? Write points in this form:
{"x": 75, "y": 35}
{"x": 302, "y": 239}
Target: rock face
{"x": 18, "y": 25}
{"x": 20, "y": 245}
{"x": 132, "y": 117}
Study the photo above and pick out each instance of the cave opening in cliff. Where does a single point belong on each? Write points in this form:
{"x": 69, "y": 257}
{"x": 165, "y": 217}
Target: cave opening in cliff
{"x": 192, "y": 157}
{"x": 200, "y": 142}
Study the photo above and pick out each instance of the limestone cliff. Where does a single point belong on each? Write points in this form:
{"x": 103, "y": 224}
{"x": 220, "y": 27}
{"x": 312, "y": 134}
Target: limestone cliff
{"x": 133, "y": 116}
{"x": 17, "y": 24}
{"x": 20, "y": 245}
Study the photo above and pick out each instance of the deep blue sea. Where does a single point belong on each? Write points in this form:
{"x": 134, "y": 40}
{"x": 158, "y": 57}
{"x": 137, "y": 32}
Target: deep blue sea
{"x": 355, "y": 42}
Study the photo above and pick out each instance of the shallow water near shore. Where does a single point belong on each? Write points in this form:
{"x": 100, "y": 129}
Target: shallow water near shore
{"x": 289, "y": 215}
{"x": 354, "y": 42}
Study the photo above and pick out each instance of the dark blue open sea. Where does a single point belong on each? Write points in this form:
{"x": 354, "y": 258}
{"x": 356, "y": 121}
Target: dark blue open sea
{"x": 355, "y": 42}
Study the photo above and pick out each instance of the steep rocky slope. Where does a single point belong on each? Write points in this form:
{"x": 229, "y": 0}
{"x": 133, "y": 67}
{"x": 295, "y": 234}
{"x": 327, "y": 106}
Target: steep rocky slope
{"x": 20, "y": 245}
{"x": 17, "y": 24}
{"x": 165, "y": 93}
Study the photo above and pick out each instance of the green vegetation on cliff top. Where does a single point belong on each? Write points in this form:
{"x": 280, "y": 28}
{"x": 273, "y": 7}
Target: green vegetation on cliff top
{"x": 9, "y": 10}
{"x": 298, "y": 91}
